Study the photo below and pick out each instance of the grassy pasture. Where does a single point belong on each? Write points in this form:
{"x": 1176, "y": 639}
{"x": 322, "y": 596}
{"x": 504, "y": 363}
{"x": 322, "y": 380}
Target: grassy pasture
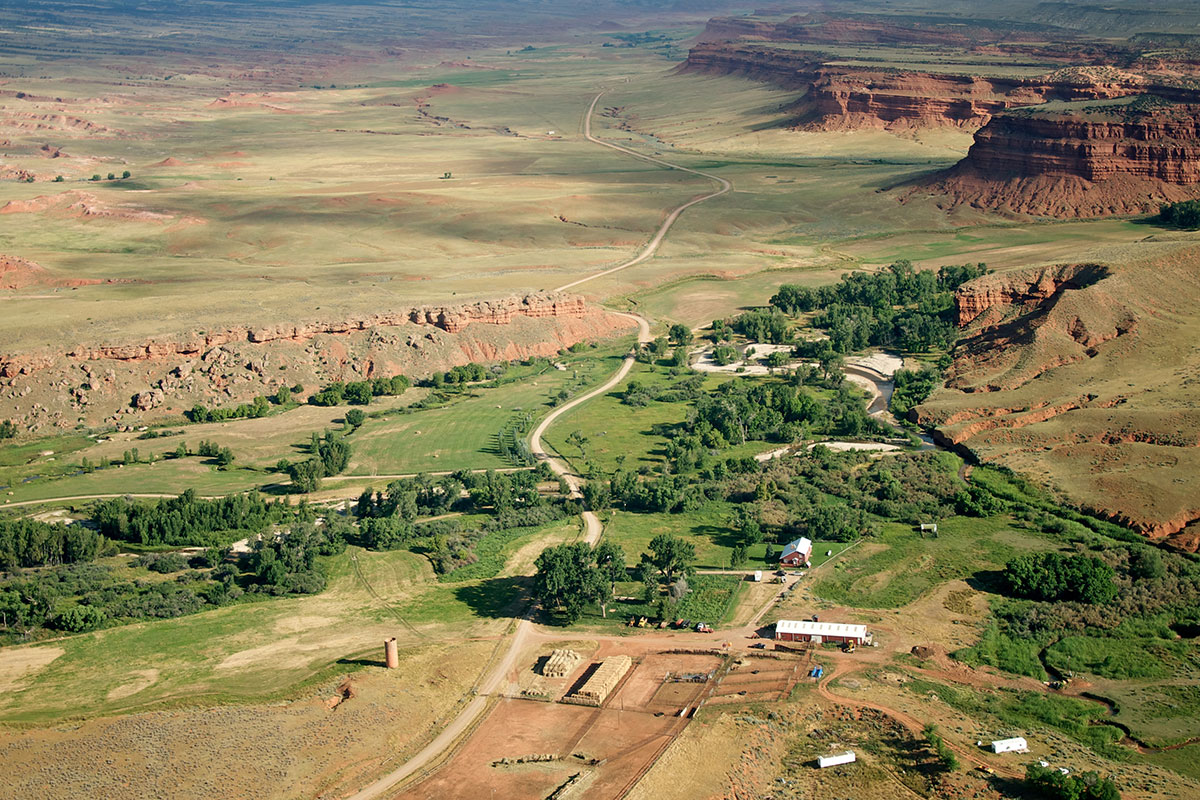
{"x": 900, "y": 565}
{"x": 237, "y": 652}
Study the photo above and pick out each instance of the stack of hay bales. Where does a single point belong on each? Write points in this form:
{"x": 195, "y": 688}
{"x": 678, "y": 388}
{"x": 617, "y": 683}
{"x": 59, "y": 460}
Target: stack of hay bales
{"x": 606, "y": 677}
{"x": 560, "y": 663}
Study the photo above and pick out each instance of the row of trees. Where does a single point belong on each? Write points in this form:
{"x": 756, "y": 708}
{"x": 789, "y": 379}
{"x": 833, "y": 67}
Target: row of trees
{"x": 186, "y": 519}
{"x": 29, "y": 543}
{"x": 359, "y": 392}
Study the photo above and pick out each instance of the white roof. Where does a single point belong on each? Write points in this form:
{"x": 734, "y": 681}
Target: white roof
{"x": 801, "y": 545}
{"x": 832, "y": 761}
{"x": 821, "y": 628}
{"x": 1018, "y": 741}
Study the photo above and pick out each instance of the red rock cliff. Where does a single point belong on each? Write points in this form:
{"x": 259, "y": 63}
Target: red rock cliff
{"x": 1088, "y": 163}
{"x": 451, "y": 319}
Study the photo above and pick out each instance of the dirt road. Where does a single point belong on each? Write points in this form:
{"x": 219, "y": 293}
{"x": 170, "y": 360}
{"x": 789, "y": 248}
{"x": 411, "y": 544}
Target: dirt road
{"x": 593, "y": 527}
{"x": 652, "y": 246}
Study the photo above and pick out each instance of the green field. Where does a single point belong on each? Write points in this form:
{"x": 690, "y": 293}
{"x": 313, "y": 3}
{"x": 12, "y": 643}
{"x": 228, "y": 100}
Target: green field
{"x": 254, "y": 650}
{"x": 900, "y": 564}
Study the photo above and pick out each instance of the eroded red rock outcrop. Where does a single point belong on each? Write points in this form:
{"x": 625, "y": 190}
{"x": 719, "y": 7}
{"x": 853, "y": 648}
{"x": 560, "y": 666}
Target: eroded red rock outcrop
{"x": 451, "y": 319}
{"x": 1080, "y": 374}
{"x": 1082, "y": 163}
{"x": 845, "y": 97}
{"x": 18, "y": 273}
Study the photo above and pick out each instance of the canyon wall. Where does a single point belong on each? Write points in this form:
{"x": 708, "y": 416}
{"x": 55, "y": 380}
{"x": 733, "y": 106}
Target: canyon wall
{"x": 846, "y": 97}
{"x": 1092, "y": 162}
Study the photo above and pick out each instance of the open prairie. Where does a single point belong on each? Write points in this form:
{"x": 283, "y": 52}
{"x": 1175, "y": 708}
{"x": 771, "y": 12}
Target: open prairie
{"x": 497, "y": 330}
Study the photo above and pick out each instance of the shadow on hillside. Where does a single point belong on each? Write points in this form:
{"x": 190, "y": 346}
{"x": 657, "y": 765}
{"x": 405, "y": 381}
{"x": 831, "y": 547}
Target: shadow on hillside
{"x": 496, "y": 598}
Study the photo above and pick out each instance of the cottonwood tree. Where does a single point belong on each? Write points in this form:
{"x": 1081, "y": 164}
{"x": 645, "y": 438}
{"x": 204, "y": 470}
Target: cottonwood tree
{"x": 567, "y": 579}
{"x": 670, "y": 555}
{"x": 610, "y": 562}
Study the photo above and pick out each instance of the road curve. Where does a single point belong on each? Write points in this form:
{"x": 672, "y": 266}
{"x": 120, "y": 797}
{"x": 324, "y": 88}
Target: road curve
{"x": 652, "y": 246}
{"x": 592, "y": 526}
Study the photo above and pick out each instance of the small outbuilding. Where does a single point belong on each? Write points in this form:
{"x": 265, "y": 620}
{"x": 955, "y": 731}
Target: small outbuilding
{"x": 832, "y": 761}
{"x": 797, "y": 553}
{"x": 1016, "y": 744}
{"x": 787, "y": 630}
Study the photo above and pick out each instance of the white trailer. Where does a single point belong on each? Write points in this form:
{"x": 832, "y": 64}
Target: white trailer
{"x": 758, "y": 576}
{"x": 1017, "y": 744}
{"x": 832, "y": 761}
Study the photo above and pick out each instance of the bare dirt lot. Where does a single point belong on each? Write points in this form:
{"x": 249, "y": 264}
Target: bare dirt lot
{"x": 607, "y": 747}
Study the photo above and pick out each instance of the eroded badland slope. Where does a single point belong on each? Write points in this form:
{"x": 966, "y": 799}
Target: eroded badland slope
{"x": 1085, "y": 377}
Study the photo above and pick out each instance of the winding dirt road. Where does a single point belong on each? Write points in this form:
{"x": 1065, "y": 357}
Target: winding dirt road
{"x": 652, "y": 246}
{"x": 593, "y": 528}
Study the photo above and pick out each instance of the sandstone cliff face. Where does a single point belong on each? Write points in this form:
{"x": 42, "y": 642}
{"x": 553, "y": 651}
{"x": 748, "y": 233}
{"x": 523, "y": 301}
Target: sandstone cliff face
{"x": 130, "y": 385}
{"x": 1079, "y": 374}
{"x": 838, "y": 97}
{"x": 451, "y": 319}
{"x": 1086, "y": 164}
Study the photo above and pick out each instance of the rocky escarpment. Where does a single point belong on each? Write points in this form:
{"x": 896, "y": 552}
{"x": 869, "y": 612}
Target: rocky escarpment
{"x": 847, "y": 97}
{"x": 451, "y": 319}
{"x": 996, "y": 296}
{"x": 1082, "y": 375}
{"x": 132, "y": 384}
{"x": 1079, "y": 162}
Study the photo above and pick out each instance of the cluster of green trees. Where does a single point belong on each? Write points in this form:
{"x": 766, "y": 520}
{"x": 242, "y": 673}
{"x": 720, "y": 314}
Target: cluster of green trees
{"x": 639, "y": 394}
{"x": 259, "y": 407}
{"x": 1184, "y": 215}
{"x": 359, "y": 393}
{"x": 186, "y": 519}
{"x": 945, "y": 756}
{"x": 330, "y": 455}
{"x": 7, "y": 430}
{"x": 1053, "y": 784}
{"x": 29, "y": 543}
{"x": 287, "y": 564}
{"x": 911, "y": 387}
{"x": 570, "y": 576}
{"x": 1053, "y": 576}
{"x": 899, "y": 306}
{"x": 85, "y": 596}
{"x": 762, "y": 325}
{"x": 508, "y": 501}
{"x": 465, "y": 373}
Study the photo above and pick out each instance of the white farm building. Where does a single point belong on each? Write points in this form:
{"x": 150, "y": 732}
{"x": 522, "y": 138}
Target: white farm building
{"x": 787, "y": 630}
{"x": 1017, "y": 744}
{"x": 832, "y": 761}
